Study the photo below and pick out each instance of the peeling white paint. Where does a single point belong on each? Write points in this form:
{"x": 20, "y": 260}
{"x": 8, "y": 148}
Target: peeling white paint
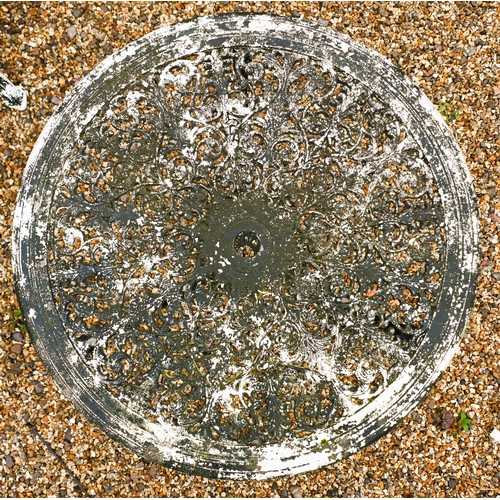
{"x": 172, "y": 442}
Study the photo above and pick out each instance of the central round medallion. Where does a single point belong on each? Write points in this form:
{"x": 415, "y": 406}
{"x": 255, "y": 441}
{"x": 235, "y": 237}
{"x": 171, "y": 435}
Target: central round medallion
{"x": 247, "y": 244}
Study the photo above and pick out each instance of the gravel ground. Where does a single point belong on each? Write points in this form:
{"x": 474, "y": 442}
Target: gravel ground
{"x": 450, "y": 51}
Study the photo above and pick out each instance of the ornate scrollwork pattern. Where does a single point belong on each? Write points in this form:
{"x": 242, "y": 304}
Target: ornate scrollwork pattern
{"x": 248, "y": 245}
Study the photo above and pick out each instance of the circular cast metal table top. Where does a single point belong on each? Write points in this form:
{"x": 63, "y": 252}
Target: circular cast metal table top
{"x": 245, "y": 246}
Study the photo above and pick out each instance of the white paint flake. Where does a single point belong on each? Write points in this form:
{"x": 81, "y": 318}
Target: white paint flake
{"x": 495, "y": 435}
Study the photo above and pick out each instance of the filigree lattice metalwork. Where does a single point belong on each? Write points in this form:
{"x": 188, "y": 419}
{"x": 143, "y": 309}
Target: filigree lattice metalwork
{"x": 246, "y": 243}
{"x": 252, "y": 206}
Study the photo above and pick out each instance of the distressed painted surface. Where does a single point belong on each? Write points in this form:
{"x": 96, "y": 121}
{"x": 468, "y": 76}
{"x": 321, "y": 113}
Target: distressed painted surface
{"x": 255, "y": 246}
{"x": 13, "y": 96}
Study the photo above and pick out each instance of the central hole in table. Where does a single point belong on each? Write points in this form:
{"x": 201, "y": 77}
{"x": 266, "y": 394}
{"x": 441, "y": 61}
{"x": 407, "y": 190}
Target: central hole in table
{"x": 247, "y": 244}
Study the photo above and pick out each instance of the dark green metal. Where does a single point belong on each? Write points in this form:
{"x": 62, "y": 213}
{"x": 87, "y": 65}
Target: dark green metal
{"x": 245, "y": 246}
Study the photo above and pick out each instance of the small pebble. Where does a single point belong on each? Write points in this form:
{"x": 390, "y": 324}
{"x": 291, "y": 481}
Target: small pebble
{"x": 152, "y": 471}
{"x": 35, "y": 476}
{"x": 68, "y": 435}
{"x": 296, "y": 491}
{"x": 447, "y": 420}
{"x": 9, "y": 461}
{"x": 18, "y": 337}
{"x": 71, "y": 31}
{"x": 16, "y": 348}
{"x": 39, "y": 389}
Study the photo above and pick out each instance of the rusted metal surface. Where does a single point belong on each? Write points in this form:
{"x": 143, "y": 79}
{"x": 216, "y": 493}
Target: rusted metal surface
{"x": 246, "y": 246}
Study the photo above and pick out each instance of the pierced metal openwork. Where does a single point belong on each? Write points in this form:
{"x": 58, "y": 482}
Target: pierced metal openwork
{"x": 245, "y": 246}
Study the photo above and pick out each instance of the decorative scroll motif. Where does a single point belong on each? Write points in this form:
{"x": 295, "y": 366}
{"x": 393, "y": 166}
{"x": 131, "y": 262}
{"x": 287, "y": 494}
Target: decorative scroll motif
{"x": 247, "y": 246}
